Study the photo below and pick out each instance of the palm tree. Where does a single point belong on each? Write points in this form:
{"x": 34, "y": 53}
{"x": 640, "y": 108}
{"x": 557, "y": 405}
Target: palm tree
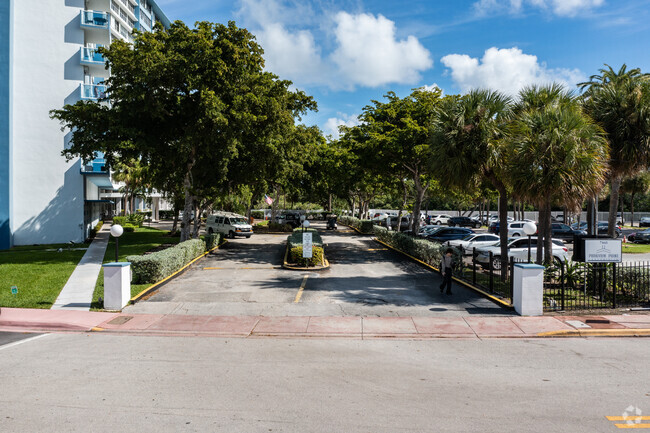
{"x": 132, "y": 173}
{"x": 557, "y": 154}
{"x": 619, "y": 101}
{"x": 466, "y": 148}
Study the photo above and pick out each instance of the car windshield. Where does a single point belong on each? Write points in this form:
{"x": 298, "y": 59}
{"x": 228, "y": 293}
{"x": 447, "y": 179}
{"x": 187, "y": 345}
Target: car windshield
{"x": 237, "y": 221}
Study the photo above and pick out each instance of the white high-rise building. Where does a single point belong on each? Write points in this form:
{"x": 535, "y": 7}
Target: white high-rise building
{"x": 47, "y": 60}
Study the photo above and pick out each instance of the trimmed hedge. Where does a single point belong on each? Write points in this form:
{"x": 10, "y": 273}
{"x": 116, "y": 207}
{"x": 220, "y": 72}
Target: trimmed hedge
{"x": 128, "y": 228}
{"x": 96, "y": 229}
{"x": 296, "y": 239}
{"x": 213, "y": 240}
{"x": 134, "y": 219}
{"x": 428, "y": 251}
{"x": 364, "y": 226}
{"x": 156, "y": 266}
{"x": 295, "y": 256}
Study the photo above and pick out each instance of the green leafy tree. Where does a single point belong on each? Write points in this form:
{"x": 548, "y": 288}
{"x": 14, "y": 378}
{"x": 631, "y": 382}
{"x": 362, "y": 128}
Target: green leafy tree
{"x": 467, "y": 147}
{"x": 619, "y": 101}
{"x": 557, "y": 154}
{"x": 186, "y": 102}
{"x": 639, "y": 184}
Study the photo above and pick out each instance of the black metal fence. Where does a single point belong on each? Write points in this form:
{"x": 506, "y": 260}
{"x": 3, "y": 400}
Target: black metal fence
{"x": 580, "y": 286}
{"x": 567, "y": 286}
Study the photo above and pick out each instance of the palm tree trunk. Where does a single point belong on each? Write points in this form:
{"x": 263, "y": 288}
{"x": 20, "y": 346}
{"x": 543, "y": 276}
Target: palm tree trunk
{"x": 503, "y": 226}
{"x": 613, "y": 205}
{"x": 539, "y": 257}
{"x": 548, "y": 236}
{"x": 632, "y": 208}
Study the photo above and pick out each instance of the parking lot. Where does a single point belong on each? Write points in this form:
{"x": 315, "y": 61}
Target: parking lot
{"x": 245, "y": 277}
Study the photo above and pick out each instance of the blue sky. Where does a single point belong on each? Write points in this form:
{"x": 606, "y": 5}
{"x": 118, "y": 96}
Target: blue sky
{"x": 346, "y": 53}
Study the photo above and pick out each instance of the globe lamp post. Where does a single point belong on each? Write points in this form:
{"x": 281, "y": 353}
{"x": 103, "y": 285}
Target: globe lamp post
{"x": 530, "y": 229}
{"x": 116, "y": 232}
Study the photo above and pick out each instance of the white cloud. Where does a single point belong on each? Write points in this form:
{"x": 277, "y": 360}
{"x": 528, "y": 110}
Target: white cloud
{"x": 332, "y": 125}
{"x": 432, "y": 87}
{"x": 364, "y": 48}
{"x": 507, "y": 70}
{"x": 369, "y": 54}
{"x": 568, "y": 8}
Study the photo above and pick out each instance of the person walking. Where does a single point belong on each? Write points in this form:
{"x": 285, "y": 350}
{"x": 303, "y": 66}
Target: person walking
{"x": 446, "y": 265}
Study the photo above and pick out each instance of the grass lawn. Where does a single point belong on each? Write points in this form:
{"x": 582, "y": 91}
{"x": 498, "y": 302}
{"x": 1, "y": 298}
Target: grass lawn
{"x": 636, "y": 248}
{"x": 135, "y": 243}
{"x": 39, "y": 272}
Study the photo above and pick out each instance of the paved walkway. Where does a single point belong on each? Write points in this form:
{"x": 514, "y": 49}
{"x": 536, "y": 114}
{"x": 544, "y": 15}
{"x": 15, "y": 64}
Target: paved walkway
{"x": 33, "y": 320}
{"x": 77, "y": 294}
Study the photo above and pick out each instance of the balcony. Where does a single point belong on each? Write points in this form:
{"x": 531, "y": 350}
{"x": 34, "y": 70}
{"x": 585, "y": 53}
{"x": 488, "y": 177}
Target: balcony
{"x": 90, "y": 56}
{"x": 94, "y": 19}
{"x": 92, "y": 92}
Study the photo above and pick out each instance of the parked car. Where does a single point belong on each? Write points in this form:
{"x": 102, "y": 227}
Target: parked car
{"x": 291, "y": 218}
{"x": 516, "y": 228}
{"x": 564, "y": 232}
{"x": 602, "y": 228}
{"x": 476, "y": 240}
{"x": 440, "y": 219}
{"x": 449, "y": 234}
{"x": 426, "y": 230}
{"x": 228, "y": 223}
{"x": 463, "y": 221}
{"x": 518, "y": 248}
{"x": 644, "y": 222}
{"x": 642, "y": 237}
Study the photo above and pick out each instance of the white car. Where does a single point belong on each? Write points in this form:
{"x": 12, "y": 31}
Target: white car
{"x": 475, "y": 240}
{"x": 440, "y": 219}
{"x": 518, "y": 248}
{"x": 228, "y": 223}
{"x": 516, "y": 228}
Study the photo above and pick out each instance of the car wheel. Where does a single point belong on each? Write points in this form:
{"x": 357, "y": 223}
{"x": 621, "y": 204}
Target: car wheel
{"x": 557, "y": 262}
{"x": 477, "y": 226}
{"x": 438, "y": 222}
{"x": 452, "y": 225}
{"x": 248, "y": 237}
{"x": 210, "y": 231}
{"x": 231, "y": 234}
{"x": 515, "y": 235}
{"x": 496, "y": 263}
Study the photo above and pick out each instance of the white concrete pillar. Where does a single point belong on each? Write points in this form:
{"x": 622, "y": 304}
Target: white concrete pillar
{"x": 117, "y": 285}
{"x": 528, "y": 289}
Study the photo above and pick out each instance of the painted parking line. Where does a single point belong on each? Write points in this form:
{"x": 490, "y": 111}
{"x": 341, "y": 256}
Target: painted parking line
{"x": 631, "y": 421}
{"x": 377, "y": 249}
{"x": 212, "y": 268}
{"x": 302, "y": 288}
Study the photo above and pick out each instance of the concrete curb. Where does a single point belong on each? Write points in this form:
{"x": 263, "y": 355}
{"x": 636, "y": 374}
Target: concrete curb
{"x": 286, "y": 265}
{"x": 597, "y": 333}
{"x": 459, "y": 281}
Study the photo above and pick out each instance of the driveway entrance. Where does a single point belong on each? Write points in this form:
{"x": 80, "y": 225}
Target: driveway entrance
{"x": 245, "y": 277}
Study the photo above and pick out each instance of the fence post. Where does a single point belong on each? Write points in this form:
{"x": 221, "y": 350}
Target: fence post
{"x": 562, "y": 285}
{"x": 614, "y": 285}
{"x": 490, "y": 257}
{"x": 512, "y": 280}
{"x": 474, "y": 265}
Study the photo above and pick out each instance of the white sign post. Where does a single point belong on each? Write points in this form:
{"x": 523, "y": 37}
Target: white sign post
{"x": 603, "y": 251}
{"x": 306, "y": 245}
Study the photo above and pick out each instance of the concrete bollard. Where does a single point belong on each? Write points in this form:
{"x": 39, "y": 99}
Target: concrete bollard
{"x": 117, "y": 285}
{"x": 528, "y": 289}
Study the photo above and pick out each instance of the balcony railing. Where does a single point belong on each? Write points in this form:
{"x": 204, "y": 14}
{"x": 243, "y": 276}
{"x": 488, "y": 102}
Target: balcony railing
{"x": 94, "y": 19}
{"x": 92, "y": 92}
{"x": 90, "y": 56}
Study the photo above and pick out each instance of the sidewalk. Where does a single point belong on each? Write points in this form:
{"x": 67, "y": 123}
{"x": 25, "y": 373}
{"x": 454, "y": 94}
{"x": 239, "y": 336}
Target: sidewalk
{"x": 77, "y": 294}
{"x": 34, "y": 320}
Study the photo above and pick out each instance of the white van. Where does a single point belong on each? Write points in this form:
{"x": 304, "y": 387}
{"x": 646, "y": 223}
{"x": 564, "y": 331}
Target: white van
{"x": 228, "y": 223}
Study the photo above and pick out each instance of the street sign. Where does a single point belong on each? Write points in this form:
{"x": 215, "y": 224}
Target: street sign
{"x": 603, "y": 250}
{"x": 306, "y": 245}
{"x": 14, "y": 290}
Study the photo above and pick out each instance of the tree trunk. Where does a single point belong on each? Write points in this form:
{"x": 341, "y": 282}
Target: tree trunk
{"x": 187, "y": 209}
{"x": 590, "y": 216}
{"x": 329, "y": 204}
{"x": 175, "y": 223}
{"x": 503, "y": 227}
{"x": 613, "y": 206}
{"x": 197, "y": 220}
{"x": 539, "y": 256}
{"x": 420, "y": 190}
{"x": 622, "y": 200}
{"x": 402, "y": 206}
{"x": 274, "y": 204}
{"x": 632, "y": 208}
{"x": 548, "y": 237}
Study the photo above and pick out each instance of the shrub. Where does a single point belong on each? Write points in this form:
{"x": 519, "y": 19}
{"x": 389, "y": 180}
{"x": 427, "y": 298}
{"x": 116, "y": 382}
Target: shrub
{"x": 150, "y": 268}
{"x": 213, "y": 240}
{"x": 121, "y": 220}
{"x": 128, "y": 228}
{"x": 296, "y": 239}
{"x": 96, "y": 229}
{"x": 350, "y": 221}
{"x": 276, "y": 227}
{"x": 257, "y": 214}
{"x": 133, "y": 219}
{"x": 366, "y": 226}
{"x": 427, "y": 251}
{"x": 295, "y": 256}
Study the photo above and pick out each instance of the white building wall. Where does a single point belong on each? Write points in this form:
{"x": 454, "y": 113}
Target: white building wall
{"x": 48, "y": 204}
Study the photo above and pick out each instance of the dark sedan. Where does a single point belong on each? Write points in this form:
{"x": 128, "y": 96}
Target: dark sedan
{"x": 602, "y": 228}
{"x": 564, "y": 232}
{"x": 463, "y": 221}
{"x": 449, "y": 234}
{"x": 642, "y": 237}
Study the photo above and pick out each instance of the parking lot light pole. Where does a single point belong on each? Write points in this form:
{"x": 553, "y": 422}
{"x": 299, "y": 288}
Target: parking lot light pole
{"x": 530, "y": 228}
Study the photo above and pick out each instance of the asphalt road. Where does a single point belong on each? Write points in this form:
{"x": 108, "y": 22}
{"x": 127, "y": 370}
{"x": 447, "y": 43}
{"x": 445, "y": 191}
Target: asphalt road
{"x": 106, "y": 383}
{"x": 245, "y": 277}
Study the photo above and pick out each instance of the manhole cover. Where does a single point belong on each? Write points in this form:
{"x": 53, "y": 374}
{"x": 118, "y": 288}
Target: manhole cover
{"x": 121, "y": 320}
{"x": 373, "y": 301}
{"x": 577, "y": 324}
